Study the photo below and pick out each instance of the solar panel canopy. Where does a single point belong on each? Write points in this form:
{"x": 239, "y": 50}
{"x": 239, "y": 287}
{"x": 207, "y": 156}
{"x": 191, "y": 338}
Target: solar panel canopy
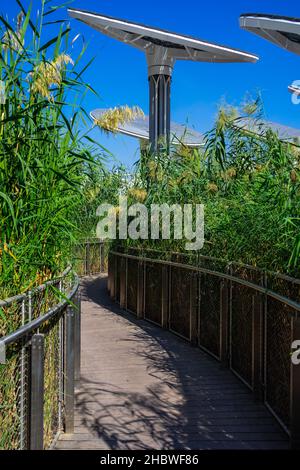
{"x": 162, "y": 48}
{"x": 283, "y": 31}
{"x": 139, "y": 128}
{"x": 143, "y": 37}
{"x": 260, "y": 127}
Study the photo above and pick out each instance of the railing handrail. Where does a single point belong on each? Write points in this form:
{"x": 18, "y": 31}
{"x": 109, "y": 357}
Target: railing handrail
{"x": 32, "y": 325}
{"x": 279, "y": 275}
{"x": 263, "y": 290}
{"x": 19, "y": 297}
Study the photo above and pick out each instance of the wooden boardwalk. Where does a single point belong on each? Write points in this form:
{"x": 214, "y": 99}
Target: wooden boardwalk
{"x": 143, "y": 388}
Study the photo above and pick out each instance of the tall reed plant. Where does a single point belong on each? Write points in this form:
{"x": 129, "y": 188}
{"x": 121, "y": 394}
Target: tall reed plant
{"x": 45, "y": 153}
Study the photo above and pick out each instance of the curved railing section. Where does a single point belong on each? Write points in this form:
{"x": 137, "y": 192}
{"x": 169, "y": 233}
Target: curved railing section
{"x": 39, "y": 363}
{"x": 246, "y": 318}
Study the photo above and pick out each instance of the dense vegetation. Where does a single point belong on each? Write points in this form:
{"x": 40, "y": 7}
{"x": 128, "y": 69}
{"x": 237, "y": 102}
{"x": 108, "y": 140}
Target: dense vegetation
{"x": 50, "y": 168}
{"x": 53, "y": 175}
{"x": 249, "y": 184}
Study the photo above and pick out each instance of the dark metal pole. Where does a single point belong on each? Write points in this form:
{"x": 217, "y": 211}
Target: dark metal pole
{"x": 123, "y": 282}
{"x": 37, "y": 393}
{"x": 77, "y": 357}
{"x": 160, "y": 68}
{"x": 140, "y": 290}
{"x": 165, "y": 296}
{"x": 102, "y": 258}
{"x": 87, "y": 260}
{"x": 109, "y": 274}
{"x": 159, "y": 119}
{"x": 69, "y": 370}
{"x": 113, "y": 276}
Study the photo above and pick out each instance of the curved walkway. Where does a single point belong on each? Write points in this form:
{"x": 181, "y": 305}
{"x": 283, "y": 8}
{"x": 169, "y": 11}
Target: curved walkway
{"x": 143, "y": 388}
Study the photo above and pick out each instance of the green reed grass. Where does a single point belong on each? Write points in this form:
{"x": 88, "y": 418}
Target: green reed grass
{"x": 45, "y": 156}
{"x": 46, "y": 162}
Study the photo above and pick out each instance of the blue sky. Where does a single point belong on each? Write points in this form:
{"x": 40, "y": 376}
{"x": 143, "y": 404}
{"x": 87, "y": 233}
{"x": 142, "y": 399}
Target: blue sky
{"x": 119, "y": 72}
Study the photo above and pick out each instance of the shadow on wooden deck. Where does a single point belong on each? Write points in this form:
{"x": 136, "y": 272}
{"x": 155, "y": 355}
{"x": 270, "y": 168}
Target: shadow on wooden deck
{"x": 143, "y": 388}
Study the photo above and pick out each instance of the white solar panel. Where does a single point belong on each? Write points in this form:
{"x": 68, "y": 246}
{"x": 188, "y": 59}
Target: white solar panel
{"x": 162, "y": 48}
{"x": 282, "y": 30}
{"x": 285, "y": 133}
{"x": 142, "y": 37}
{"x": 139, "y": 128}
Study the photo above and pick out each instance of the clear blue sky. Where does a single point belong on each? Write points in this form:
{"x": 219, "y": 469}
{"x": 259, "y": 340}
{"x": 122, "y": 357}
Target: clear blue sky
{"x": 119, "y": 72}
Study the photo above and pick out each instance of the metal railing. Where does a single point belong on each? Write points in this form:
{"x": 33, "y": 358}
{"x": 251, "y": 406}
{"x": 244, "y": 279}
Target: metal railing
{"x": 39, "y": 363}
{"x": 91, "y": 257}
{"x": 244, "y": 317}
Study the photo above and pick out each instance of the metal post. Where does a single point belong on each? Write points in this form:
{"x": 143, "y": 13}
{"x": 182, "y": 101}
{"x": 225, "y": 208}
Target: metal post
{"x": 77, "y": 336}
{"x": 257, "y": 346}
{"x": 123, "y": 281}
{"x": 199, "y": 303}
{"x": 194, "y": 309}
{"x": 230, "y": 270}
{"x": 113, "y": 275}
{"x": 144, "y": 286}
{"x": 37, "y": 393}
{"x": 109, "y": 275}
{"x": 165, "y": 297}
{"x": 224, "y": 316}
{"x": 23, "y": 388}
{"x": 29, "y": 305}
{"x": 61, "y": 367}
{"x": 69, "y": 370}
{"x": 87, "y": 260}
{"x": 140, "y": 290}
{"x": 170, "y": 270}
{"x": 102, "y": 258}
{"x": 265, "y": 336}
{"x": 295, "y": 391}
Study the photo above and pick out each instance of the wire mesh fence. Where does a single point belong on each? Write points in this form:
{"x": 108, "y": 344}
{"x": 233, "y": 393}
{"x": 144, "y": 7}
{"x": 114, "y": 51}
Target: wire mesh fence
{"x": 241, "y": 321}
{"x": 278, "y": 338}
{"x": 132, "y": 280}
{"x": 11, "y": 394}
{"x": 91, "y": 257}
{"x": 153, "y": 293}
{"x": 209, "y": 320}
{"x": 278, "y": 341}
{"x": 31, "y": 413}
{"x": 245, "y": 317}
{"x": 180, "y": 312}
{"x": 52, "y": 381}
{"x": 117, "y": 279}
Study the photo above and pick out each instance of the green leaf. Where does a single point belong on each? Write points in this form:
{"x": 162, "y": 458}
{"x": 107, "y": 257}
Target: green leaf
{"x": 27, "y": 17}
